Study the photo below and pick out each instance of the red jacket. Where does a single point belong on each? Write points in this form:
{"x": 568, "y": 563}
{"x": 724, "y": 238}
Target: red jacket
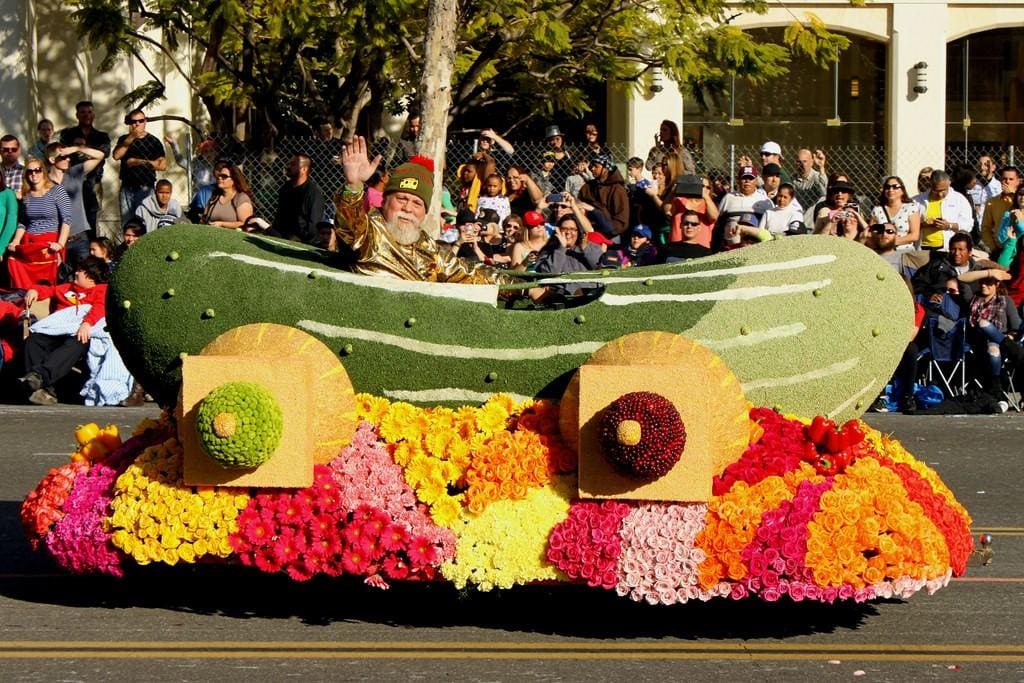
{"x": 68, "y": 295}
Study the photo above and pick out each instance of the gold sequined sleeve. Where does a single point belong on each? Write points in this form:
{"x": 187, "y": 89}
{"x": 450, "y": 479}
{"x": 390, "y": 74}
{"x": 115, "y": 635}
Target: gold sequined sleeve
{"x": 350, "y": 219}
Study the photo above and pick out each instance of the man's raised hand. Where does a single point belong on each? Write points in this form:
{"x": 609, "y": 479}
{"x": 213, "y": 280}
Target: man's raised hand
{"x": 356, "y": 163}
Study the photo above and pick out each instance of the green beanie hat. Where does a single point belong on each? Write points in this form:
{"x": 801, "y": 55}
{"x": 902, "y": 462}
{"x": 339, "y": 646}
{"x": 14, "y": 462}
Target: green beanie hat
{"x": 415, "y": 176}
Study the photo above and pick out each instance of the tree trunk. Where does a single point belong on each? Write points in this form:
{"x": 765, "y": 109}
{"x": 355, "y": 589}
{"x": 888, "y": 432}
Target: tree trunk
{"x": 436, "y": 96}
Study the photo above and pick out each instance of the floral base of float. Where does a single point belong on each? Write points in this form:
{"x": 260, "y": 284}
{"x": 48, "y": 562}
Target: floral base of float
{"x": 486, "y": 497}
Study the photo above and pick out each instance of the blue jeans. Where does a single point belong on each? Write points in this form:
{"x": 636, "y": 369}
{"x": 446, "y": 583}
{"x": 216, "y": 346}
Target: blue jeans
{"x": 988, "y": 337}
{"x": 131, "y": 199}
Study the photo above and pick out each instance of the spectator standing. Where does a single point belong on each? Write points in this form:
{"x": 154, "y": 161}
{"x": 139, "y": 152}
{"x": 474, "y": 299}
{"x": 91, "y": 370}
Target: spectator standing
{"x": 563, "y": 163}
{"x": 580, "y": 175}
{"x": 159, "y": 209}
{"x": 1011, "y": 227}
{"x": 14, "y": 170}
{"x": 44, "y": 223}
{"x": 412, "y": 137}
{"x": 300, "y": 202}
{"x": 809, "y": 183}
{"x": 495, "y": 149}
{"x": 840, "y": 216}
{"x": 522, "y": 192}
{"x": 141, "y": 155}
{"x": 200, "y": 170}
{"x": 85, "y": 135}
{"x": 924, "y": 179}
{"x": 8, "y": 217}
{"x": 668, "y": 141}
{"x": 592, "y": 141}
{"x": 771, "y": 153}
{"x": 545, "y": 176}
{"x": 996, "y": 208}
{"x": 606, "y": 193}
{"x": 987, "y": 187}
{"x": 895, "y": 207}
{"x": 231, "y": 203}
{"x": 72, "y": 178}
{"x": 945, "y": 212}
{"x": 45, "y": 131}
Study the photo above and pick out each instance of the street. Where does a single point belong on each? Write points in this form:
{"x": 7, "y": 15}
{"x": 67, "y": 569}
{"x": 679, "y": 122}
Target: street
{"x": 232, "y": 624}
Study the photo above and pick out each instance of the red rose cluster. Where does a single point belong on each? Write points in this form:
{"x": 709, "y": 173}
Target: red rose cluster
{"x": 642, "y": 434}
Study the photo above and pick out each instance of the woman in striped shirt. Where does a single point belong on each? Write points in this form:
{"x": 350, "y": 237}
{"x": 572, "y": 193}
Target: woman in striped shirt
{"x": 44, "y": 223}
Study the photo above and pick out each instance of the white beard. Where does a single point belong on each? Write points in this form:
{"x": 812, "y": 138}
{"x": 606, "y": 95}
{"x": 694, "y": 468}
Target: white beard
{"x": 405, "y": 232}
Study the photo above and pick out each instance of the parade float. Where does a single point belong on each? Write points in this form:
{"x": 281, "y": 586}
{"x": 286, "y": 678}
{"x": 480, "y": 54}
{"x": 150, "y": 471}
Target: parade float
{"x": 686, "y": 432}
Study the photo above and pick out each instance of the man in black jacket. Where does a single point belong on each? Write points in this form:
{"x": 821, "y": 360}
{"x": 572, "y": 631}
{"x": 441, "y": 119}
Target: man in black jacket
{"x": 300, "y": 203}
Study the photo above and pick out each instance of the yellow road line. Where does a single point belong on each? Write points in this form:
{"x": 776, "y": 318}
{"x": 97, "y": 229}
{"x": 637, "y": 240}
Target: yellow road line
{"x": 1003, "y": 529}
{"x": 505, "y": 645}
{"x": 959, "y": 657}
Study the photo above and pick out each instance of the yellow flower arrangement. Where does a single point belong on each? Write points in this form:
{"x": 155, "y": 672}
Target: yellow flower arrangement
{"x": 467, "y": 457}
{"x": 867, "y": 531}
{"x": 155, "y": 518}
{"x": 506, "y": 544}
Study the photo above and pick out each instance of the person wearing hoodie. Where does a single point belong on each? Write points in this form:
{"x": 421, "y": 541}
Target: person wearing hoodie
{"x": 159, "y": 209}
{"x": 606, "y": 193}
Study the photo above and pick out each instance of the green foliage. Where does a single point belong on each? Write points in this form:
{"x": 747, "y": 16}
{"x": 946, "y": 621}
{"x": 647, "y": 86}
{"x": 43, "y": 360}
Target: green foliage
{"x": 239, "y": 424}
{"x": 283, "y": 63}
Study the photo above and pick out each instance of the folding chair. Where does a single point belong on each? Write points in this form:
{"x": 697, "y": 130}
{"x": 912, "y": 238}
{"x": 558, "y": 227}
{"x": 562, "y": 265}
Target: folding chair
{"x": 947, "y": 356}
{"x": 1013, "y": 396}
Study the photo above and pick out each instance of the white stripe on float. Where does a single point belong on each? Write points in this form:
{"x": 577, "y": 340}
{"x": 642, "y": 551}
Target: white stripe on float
{"x": 820, "y": 373}
{"x": 795, "y": 264}
{"x": 848, "y": 402}
{"x": 780, "y": 332}
{"x": 737, "y": 294}
{"x": 447, "y": 394}
{"x": 450, "y": 350}
{"x": 480, "y": 294}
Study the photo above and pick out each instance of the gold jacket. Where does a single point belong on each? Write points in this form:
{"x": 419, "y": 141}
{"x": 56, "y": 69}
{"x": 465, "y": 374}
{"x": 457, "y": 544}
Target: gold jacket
{"x": 378, "y": 254}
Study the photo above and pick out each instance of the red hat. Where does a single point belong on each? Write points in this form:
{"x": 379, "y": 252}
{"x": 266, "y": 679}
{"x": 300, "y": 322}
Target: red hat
{"x": 533, "y": 218}
{"x": 598, "y": 238}
{"x": 747, "y": 172}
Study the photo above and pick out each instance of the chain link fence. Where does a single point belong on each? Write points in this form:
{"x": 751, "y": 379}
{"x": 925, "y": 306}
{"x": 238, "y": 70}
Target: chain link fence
{"x": 866, "y": 166}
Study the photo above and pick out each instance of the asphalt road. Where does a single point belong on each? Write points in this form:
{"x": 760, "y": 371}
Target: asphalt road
{"x": 230, "y": 624}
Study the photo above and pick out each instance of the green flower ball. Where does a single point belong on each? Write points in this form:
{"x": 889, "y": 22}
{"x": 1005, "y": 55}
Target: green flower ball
{"x": 239, "y": 424}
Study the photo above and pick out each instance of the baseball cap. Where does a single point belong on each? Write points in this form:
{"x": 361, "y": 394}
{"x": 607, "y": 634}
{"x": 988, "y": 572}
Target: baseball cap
{"x": 771, "y": 170}
{"x": 771, "y": 148}
{"x": 533, "y": 218}
{"x": 549, "y": 156}
{"x": 749, "y": 219}
{"x": 747, "y": 172}
{"x": 642, "y": 230}
{"x": 598, "y": 238}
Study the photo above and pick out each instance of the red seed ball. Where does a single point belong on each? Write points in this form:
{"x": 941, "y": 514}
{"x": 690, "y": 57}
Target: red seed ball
{"x": 642, "y": 434}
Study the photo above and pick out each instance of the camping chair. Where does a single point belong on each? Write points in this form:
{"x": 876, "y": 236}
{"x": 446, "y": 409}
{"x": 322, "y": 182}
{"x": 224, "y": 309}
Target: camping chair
{"x": 947, "y": 355}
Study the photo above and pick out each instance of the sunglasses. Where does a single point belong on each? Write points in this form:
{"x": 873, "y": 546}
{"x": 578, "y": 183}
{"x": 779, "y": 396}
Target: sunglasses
{"x": 63, "y": 157}
{"x": 894, "y": 187}
{"x": 952, "y": 291}
{"x": 558, "y": 206}
{"x": 31, "y": 171}
{"x": 223, "y": 176}
{"x": 691, "y": 224}
{"x": 767, "y": 154}
{"x": 879, "y": 231}
{"x": 8, "y": 150}
{"x": 136, "y": 122}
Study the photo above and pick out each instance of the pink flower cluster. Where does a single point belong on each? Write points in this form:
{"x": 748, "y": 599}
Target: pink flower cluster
{"x": 78, "y": 541}
{"x": 366, "y": 474}
{"x": 310, "y": 532}
{"x": 587, "y": 545}
{"x": 779, "y": 450}
{"x": 659, "y": 562}
{"x": 43, "y": 507}
{"x": 775, "y": 558}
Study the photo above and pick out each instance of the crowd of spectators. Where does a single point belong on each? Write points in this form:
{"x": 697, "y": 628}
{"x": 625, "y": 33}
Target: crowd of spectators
{"x": 572, "y": 208}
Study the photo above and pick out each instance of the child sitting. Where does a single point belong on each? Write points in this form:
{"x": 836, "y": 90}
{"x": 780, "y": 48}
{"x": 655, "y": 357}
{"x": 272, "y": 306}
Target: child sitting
{"x": 159, "y": 209}
{"x": 491, "y": 197}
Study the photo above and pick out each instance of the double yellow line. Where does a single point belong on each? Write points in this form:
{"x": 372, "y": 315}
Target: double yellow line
{"x": 452, "y": 650}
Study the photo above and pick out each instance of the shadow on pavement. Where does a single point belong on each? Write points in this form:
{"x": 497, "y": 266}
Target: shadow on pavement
{"x": 244, "y": 593}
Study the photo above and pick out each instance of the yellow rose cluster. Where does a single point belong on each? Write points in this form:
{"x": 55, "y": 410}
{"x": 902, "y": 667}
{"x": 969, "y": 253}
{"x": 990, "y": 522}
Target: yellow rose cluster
{"x": 507, "y": 543}
{"x": 155, "y": 518}
{"x": 435, "y": 445}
